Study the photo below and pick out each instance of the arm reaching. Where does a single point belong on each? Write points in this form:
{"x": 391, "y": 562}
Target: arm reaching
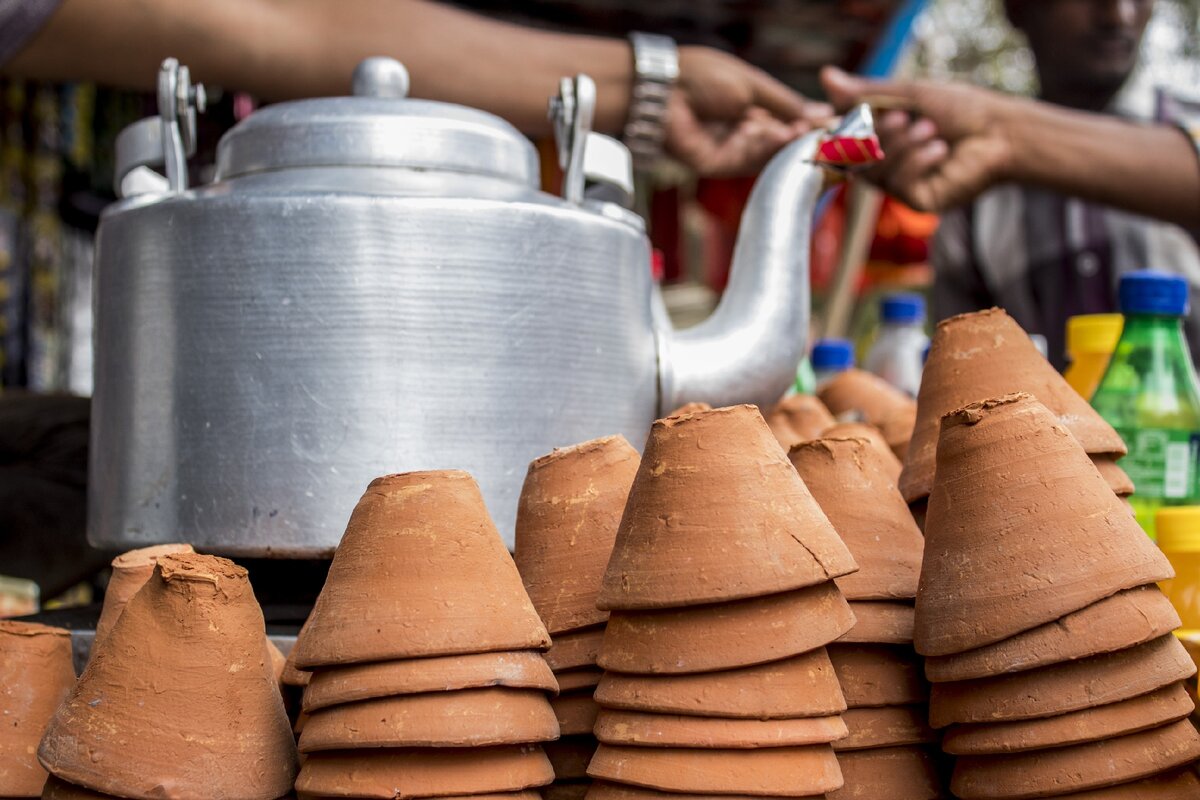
{"x": 946, "y": 143}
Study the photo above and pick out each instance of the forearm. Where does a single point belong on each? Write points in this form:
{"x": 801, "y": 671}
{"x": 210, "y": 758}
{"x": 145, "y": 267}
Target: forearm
{"x": 1147, "y": 169}
{"x": 280, "y": 49}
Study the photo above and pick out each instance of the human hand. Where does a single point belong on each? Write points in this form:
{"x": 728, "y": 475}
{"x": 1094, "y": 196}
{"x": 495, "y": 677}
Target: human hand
{"x": 943, "y": 143}
{"x": 726, "y": 117}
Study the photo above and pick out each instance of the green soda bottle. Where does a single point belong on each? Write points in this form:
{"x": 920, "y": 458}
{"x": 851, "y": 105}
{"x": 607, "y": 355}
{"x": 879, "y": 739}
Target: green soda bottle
{"x": 1150, "y": 394}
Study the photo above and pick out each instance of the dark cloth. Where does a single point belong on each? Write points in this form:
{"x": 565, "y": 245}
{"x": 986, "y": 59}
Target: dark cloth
{"x": 20, "y": 21}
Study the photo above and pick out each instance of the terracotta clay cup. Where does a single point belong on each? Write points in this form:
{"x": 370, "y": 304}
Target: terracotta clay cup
{"x": 725, "y": 635}
{"x": 771, "y": 771}
{"x": 36, "y": 673}
{"x": 602, "y": 790}
{"x": 1152, "y": 710}
{"x": 130, "y": 571}
{"x": 674, "y": 730}
{"x": 463, "y": 718}
{"x": 718, "y": 513}
{"x": 1128, "y": 618}
{"x": 690, "y": 408}
{"x": 291, "y": 676}
{"x": 986, "y": 354}
{"x": 567, "y": 520}
{"x": 405, "y": 579}
{"x": 1116, "y": 478}
{"x": 798, "y": 418}
{"x": 524, "y": 669}
{"x": 878, "y": 675}
{"x": 570, "y": 756}
{"x": 860, "y": 430}
{"x": 1181, "y": 785}
{"x": 1062, "y": 688}
{"x": 424, "y": 772}
{"x": 851, "y": 483}
{"x": 1021, "y": 531}
{"x": 889, "y": 773}
{"x": 874, "y": 400}
{"x": 575, "y": 711}
{"x": 1062, "y": 770}
{"x": 575, "y": 650}
{"x": 881, "y": 623}
{"x": 804, "y": 686}
{"x": 885, "y": 727}
{"x": 180, "y": 694}
{"x": 61, "y": 790}
{"x": 582, "y": 678}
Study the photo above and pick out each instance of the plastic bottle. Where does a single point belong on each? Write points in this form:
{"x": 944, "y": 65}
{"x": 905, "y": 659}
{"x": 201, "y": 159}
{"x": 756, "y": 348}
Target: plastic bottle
{"x": 896, "y": 355}
{"x": 1150, "y": 394}
{"x": 806, "y": 379}
{"x": 1179, "y": 537}
{"x": 1091, "y": 339}
{"x": 829, "y": 357}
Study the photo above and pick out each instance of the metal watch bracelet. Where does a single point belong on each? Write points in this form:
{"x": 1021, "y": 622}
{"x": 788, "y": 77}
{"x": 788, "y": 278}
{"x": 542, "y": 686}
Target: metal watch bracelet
{"x": 655, "y": 70}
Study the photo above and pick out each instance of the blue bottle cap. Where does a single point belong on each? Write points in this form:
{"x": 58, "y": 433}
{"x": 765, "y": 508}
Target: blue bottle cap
{"x": 903, "y": 308}
{"x": 832, "y": 354}
{"x": 1151, "y": 292}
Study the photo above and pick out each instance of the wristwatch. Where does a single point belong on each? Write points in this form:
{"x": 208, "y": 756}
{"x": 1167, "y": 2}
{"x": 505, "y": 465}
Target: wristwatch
{"x": 655, "y": 70}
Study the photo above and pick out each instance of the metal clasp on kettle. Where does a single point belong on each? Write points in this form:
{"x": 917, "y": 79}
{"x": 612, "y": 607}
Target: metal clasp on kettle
{"x": 163, "y": 141}
{"x": 583, "y": 155}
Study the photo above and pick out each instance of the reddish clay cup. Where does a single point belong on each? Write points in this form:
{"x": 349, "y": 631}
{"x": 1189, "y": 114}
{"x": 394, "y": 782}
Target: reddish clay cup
{"x": 869, "y": 398}
{"x": 1141, "y": 713}
{"x": 636, "y": 729}
{"x": 1124, "y": 620}
{"x": 405, "y": 579}
{"x": 1076, "y": 768}
{"x": 1116, "y": 478}
{"x": 851, "y": 481}
{"x": 576, "y": 712}
{"x": 1179, "y": 785}
{"x": 798, "y": 418}
{"x": 180, "y": 694}
{"x": 890, "y": 773}
{"x": 717, "y": 513}
{"x": 386, "y": 774}
{"x": 690, "y": 408}
{"x": 582, "y": 678}
{"x": 463, "y": 718}
{"x": 1062, "y": 688}
{"x": 880, "y": 623}
{"x": 36, "y": 674}
{"x": 602, "y": 790}
{"x": 575, "y": 650}
{"x": 804, "y": 686}
{"x": 567, "y": 520}
{"x": 725, "y": 635}
{"x": 130, "y": 571}
{"x": 860, "y": 430}
{"x": 291, "y": 676}
{"x": 772, "y": 771}
{"x": 524, "y": 669}
{"x": 55, "y": 789}
{"x": 889, "y": 726}
{"x": 873, "y": 676}
{"x": 1021, "y": 530}
{"x": 986, "y": 354}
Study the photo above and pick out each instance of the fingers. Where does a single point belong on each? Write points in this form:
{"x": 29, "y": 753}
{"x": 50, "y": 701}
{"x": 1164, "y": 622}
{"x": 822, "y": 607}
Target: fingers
{"x": 776, "y": 97}
{"x": 740, "y": 148}
{"x": 847, "y": 90}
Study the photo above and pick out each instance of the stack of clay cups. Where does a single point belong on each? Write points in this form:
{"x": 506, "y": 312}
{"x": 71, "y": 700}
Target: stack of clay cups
{"x": 722, "y": 600}
{"x": 986, "y": 354}
{"x": 1049, "y": 646}
{"x": 858, "y": 396}
{"x": 36, "y": 673}
{"x": 887, "y": 755}
{"x": 567, "y": 521}
{"x": 426, "y": 654}
{"x": 798, "y": 418}
{"x": 179, "y": 698}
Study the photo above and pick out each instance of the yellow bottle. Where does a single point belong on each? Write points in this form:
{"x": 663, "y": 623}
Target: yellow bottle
{"x": 1179, "y": 538}
{"x": 1091, "y": 339}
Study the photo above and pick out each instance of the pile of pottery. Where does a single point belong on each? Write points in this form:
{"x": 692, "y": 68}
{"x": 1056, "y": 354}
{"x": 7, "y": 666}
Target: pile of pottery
{"x": 722, "y": 600}
{"x": 1049, "y": 646}
{"x": 425, "y": 652}
{"x": 887, "y": 754}
{"x": 179, "y": 698}
{"x": 857, "y": 395}
{"x": 567, "y": 521}
{"x": 987, "y": 354}
{"x": 36, "y": 673}
{"x": 798, "y": 418}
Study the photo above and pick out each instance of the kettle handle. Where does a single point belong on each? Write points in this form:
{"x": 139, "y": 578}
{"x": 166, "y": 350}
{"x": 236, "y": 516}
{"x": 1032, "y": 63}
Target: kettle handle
{"x": 165, "y": 140}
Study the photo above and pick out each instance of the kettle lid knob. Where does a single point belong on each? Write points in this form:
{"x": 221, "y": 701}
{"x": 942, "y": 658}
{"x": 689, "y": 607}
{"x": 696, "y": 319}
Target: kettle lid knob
{"x": 380, "y": 76}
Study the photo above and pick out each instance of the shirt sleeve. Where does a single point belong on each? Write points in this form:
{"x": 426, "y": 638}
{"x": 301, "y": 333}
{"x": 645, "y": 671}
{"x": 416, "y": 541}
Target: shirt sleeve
{"x": 20, "y": 21}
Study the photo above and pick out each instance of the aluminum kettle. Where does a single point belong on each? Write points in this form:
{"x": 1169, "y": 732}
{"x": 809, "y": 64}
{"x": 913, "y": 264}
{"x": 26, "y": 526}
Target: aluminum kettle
{"x": 375, "y": 284}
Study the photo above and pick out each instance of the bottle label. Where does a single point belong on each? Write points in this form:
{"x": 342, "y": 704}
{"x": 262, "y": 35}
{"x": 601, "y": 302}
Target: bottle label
{"x": 1161, "y": 463}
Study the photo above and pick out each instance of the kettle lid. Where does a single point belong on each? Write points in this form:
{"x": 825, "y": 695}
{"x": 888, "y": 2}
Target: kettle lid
{"x": 377, "y": 127}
